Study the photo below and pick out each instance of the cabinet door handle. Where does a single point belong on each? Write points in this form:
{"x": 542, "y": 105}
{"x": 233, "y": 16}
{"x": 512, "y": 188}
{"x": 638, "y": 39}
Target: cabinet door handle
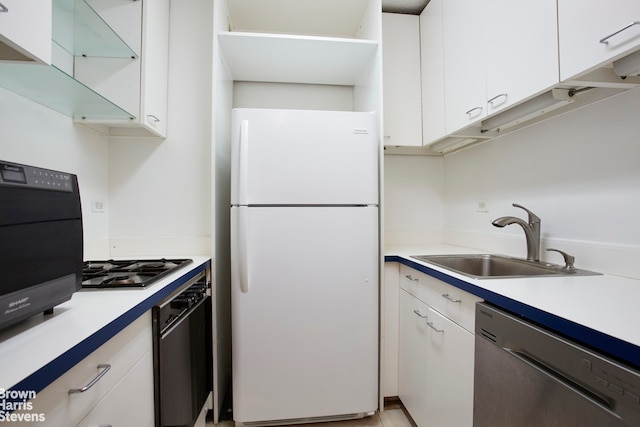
{"x": 105, "y": 368}
{"x": 3, "y": 8}
{"x": 468, "y": 113}
{"x": 605, "y": 40}
{"x": 424, "y": 316}
{"x": 502, "y": 95}
{"x": 430, "y": 324}
{"x": 448, "y": 298}
{"x": 410, "y": 277}
{"x": 153, "y": 118}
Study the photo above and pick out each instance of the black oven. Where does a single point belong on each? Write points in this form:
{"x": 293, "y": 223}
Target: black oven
{"x": 182, "y": 354}
{"x": 40, "y": 240}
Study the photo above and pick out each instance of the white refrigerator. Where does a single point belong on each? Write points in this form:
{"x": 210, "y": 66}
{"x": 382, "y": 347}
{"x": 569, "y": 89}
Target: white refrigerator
{"x": 305, "y": 265}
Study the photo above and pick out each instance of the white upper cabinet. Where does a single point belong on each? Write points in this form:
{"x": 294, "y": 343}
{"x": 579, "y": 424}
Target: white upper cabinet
{"x": 595, "y": 32}
{"x": 25, "y": 31}
{"x": 464, "y": 27}
{"x": 401, "y": 80}
{"x": 137, "y": 84}
{"x": 521, "y": 50}
{"x": 432, "y": 66}
{"x": 300, "y": 41}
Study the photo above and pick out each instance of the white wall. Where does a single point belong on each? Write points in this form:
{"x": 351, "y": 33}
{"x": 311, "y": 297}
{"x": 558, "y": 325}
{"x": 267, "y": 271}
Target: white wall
{"x": 34, "y": 135}
{"x": 413, "y": 200}
{"x": 160, "y": 191}
{"x": 579, "y": 172}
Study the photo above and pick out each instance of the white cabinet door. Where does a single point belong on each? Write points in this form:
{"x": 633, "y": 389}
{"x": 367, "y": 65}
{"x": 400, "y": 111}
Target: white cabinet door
{"x": 25, "y": 31}
{"x": 155, "y": 65}
{"x": 583, "y": 26}
{"x": 464, "y": 63}
{"x": 522, "y": 50}
{"x": 450, "y": 356}
{"x": 412, "y": 357}
{"x": 401, "y": 80}
{"x": 432, "y": 66}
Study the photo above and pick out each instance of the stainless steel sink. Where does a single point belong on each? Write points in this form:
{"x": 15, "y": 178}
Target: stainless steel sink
{"x": 487, "y": 266}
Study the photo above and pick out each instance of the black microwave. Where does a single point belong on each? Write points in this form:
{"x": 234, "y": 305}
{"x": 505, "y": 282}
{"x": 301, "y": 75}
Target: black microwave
{"x": 41, "y": 242}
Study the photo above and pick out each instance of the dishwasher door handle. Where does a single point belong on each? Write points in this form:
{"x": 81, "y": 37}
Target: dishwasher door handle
{"x": 556, "y": 376}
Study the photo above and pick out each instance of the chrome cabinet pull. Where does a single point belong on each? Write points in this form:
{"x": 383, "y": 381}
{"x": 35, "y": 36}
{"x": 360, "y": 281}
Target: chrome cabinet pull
{"x": 3, "y": 8}
{"x": 468, "y": 113}
{"x": 410, "y": 277}
{"x": 420, "y": 315}
{"x": 430, "y": 324}
{"x": 448, "y": 298}
{"x": 153, "y": 118}
{"x": 605, "y": 40}
{"x": 105, "y": 368}
{"x": 502, "y": 95}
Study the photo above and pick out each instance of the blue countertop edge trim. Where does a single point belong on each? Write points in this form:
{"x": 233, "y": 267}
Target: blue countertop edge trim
{"x": 57, "y": 367}
{"x": 606, "y": 344}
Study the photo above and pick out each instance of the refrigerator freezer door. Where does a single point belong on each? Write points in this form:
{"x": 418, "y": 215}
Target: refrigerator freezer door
{"x": 296, "y": 157}
{"x": 305, "y": 329}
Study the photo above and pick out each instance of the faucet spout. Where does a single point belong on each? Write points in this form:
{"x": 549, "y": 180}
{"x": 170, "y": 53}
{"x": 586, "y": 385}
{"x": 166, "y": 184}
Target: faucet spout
{"x": 531, "y": 231}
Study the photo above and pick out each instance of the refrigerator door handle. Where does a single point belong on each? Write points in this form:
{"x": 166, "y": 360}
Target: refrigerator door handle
{"x": 243, "y": 254}
{"x": 243, "y": 167}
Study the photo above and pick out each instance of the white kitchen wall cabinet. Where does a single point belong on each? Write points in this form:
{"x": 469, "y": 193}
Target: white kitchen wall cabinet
{"x": 436, "y": 350}
{"x": 137, "y": 84}
{"x": 432, "y": 67}
{"x": 109, "y": 66}
{"x": 521, "y": 50}
{"x": 464, "y": 28}
{"x": 497, "y": 54}
{"x": 128, "y": 379}
{"x": 25, "y": 31}
{"x": 595, "y": 32}
{"x": 401, "y": 80}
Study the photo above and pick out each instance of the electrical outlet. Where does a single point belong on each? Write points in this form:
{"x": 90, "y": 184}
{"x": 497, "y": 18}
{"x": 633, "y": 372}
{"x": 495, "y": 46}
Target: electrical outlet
{"x": 97, "y": 206}
{"x": 482, "y": 206}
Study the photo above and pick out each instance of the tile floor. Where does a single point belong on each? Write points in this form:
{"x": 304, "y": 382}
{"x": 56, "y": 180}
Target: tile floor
{"x": 393, "y": 416}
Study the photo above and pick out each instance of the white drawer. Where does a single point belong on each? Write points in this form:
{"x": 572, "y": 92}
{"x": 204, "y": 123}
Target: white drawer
{"x": 454, "y": 303}
{"x": 121, "y": 352}
{"x": 130, "y": 403}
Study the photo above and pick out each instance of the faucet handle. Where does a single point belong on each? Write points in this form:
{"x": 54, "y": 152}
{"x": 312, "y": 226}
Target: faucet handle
{"x": 533, "y": 218}
{"x": 568, "y": 259}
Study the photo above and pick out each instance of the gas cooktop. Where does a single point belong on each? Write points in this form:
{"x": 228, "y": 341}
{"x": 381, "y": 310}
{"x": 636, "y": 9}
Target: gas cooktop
{"x": 127, "y": 273}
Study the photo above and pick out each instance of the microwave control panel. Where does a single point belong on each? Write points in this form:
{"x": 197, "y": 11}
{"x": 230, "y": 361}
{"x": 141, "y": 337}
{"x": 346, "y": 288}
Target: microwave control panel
{"x": 13, "y": 174}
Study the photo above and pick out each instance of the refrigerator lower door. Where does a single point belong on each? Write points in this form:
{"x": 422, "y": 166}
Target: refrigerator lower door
{"x": 305, "y": 326}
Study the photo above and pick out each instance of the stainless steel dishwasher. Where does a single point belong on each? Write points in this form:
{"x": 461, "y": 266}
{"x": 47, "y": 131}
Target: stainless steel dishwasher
{"x": 526, "y": 376}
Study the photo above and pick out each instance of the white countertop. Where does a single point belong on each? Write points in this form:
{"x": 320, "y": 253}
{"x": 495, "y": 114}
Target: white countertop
{"x": 37, "y": 349}
{"x": 604, "y": 304}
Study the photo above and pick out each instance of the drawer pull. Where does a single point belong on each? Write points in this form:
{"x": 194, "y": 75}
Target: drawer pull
{"x": 153, "y": 119}
{"x": 448, "y": 298}
{"x": 430, "y": 324}
{"x": 105, "y": 368}
{"x": 606, "y": 39}
{"x": 3, "y": 8}
{"x": 478, "y": 109}
{"x": 420, "y": 315}
{"x": 410, "y": 277}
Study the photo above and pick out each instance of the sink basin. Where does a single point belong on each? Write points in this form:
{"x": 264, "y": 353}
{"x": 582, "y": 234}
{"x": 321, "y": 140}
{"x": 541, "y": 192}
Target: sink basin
{"x": 484, "y": 266}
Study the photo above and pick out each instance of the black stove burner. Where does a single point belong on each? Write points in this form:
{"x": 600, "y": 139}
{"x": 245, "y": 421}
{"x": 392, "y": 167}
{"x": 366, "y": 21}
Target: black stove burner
{"x": 127, "y": 274}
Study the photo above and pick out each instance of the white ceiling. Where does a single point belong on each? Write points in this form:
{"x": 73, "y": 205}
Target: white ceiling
{"x": 413, "y": 7}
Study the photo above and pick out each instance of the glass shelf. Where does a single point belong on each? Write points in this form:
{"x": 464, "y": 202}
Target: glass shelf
{"x": 51, "y": 87}
{"x": 82, "y": 32}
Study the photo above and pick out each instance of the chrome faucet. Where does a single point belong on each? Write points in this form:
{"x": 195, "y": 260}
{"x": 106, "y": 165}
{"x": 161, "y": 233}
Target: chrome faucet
{"x": 531, "y": 231}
